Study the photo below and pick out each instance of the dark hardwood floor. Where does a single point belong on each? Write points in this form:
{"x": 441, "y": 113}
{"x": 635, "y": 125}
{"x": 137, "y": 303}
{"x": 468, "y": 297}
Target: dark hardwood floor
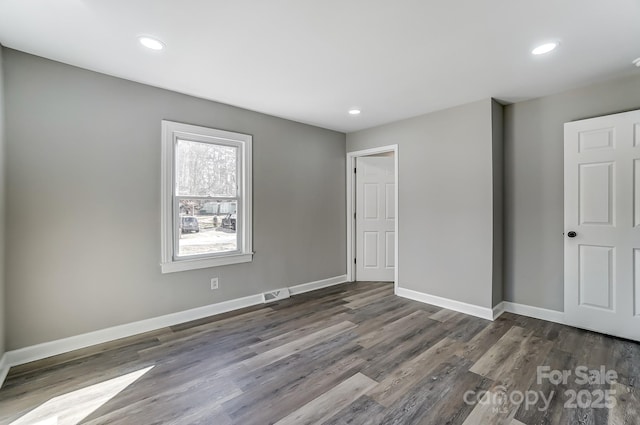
{"x": 350, "y": 354}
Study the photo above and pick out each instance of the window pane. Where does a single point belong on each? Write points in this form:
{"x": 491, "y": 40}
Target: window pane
{"x": 207, "y": 227}
{"x": 205, "y": 169}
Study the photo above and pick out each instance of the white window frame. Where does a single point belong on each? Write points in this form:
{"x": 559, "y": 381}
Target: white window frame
{"x": 171, "y": 132}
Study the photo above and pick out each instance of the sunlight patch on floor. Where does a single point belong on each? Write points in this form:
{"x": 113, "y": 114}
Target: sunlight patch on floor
{"x": 71, "y": 408}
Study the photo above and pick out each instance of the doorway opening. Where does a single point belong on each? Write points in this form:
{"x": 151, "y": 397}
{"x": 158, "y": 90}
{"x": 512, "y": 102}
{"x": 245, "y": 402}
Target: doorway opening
{"x": 372, "y": 214}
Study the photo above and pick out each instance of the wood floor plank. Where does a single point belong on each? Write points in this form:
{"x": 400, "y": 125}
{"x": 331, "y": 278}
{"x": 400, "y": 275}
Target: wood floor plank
{"x": 484, "y": 340}
{"x": 390, "y": 330}
{"x": 494, "y": 408}
{"x": 293, "y": 347}
{"x": 556, "y": 360}
{"x": 445, "y": 315}
{"x": 625, "y": 360}
{"x": 318, "y": 359}
{"x": 385, "y": 357}
{"x": 453, "y": 406}
{"x": 202, "y": 416}
{"x": 627, "y": 405}
{"x": 323, "y": 407}
{"x": 377, "y": 308}
{"x": 357, "y": 413}
{"x": 295, "y": 334}
{"x": 364, "y": 294}
{"x": 314, "y": 316}
{"x": 376, "y": 322}
{"x": 540, "y": 328}
{"x": 185, "y": 401}
{"x": 277, "y": 397}
{"x": 434, "y": 388}
{"x": 213, "y": 324}
{"x": 372, "y": 298}
{"x": 514, "y": 358}
{"x": 211, "y": 343}
{"x": 404, "y": 378}
{"x": 467, "y": 327}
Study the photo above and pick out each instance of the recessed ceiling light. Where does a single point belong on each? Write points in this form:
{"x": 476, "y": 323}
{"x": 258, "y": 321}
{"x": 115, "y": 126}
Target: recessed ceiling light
{"x": 151, "y": 43}
{"x": 544, "y": 48}
{"x": 354, "y": 111}
{"x": 636, "y": 62}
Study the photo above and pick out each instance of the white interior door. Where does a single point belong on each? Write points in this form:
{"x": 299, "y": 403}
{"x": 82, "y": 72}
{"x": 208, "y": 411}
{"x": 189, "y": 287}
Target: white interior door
{"x": 602, "y": 207}
{"x": 375, "y": 218}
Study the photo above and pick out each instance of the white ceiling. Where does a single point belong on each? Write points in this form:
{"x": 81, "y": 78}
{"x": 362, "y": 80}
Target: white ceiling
{"x": 311, "y": 61}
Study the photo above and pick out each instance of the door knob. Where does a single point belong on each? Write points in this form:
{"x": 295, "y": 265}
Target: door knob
{"x": 572, "y": 234}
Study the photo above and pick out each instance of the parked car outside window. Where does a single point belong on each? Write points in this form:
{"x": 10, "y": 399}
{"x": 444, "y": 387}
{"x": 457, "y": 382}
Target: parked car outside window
{"x": 189, "y": 224}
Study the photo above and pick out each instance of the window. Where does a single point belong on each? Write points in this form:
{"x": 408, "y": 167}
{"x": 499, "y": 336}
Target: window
{"x": 206, "y": 197}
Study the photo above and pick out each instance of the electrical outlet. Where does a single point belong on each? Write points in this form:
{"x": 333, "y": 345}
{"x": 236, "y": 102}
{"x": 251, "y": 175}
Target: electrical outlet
{"x": 214, "y": 283}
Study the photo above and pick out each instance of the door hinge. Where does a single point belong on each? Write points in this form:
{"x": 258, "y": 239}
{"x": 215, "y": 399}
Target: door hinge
{"x": 354, "y": 216}
{"x": 354, "y": 170}
{"x": 354, "y": 261}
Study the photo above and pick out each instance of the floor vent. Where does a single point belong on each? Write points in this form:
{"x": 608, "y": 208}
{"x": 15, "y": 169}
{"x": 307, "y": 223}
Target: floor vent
{"x": 278, "y": 294}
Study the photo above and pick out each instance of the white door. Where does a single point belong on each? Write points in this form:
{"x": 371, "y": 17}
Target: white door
{"x": 602, "y": 207}
{"x": 375, "y": 218}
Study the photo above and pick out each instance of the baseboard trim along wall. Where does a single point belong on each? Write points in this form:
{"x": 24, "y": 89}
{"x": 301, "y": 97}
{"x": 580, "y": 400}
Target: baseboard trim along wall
{"x": 471, "y": 309}
{"x": 484, "y": 312}
{"x": 531, "y": 311}
{"x": 60, "y": 346}
{"x": 4, "y": 368}
{"x": 318, "y": 284}
{"x": 498, "y": 310}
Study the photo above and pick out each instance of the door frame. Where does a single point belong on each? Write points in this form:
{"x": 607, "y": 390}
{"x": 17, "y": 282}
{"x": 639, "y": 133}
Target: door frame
{"x": 571, "y": 222}
{"x": 351, "y": 199}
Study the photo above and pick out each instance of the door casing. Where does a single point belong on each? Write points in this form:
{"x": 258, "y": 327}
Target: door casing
{"x": 351, "y": 187}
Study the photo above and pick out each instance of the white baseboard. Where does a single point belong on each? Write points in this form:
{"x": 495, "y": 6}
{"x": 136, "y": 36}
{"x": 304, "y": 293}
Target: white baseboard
{"x": 535, "y": 312}
{"x": 484, "y": 312}
{"x": 60, "y": 346}
{"x": 318, "y": 284}
{"x": 53, "y": 348}
{"x": 4, "y": 368}
{"x": 498, "y": 310}
{"x": 471, "y": 309}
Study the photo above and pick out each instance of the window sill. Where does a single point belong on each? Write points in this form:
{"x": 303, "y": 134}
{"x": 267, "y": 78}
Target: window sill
{"x": 203, "y": 263}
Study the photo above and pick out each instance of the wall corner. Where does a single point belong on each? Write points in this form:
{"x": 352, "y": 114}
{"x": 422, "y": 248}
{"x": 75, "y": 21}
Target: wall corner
{"x": 497, "y": 167}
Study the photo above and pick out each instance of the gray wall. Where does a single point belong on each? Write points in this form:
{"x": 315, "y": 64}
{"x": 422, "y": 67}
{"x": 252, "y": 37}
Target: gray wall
{"x": 445, "y": 200}
{"x": 497, "y": 144}
{"x": 83, "y": 205}
{"x": 2, "y": 209}
{"x": 534, "y": 197}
